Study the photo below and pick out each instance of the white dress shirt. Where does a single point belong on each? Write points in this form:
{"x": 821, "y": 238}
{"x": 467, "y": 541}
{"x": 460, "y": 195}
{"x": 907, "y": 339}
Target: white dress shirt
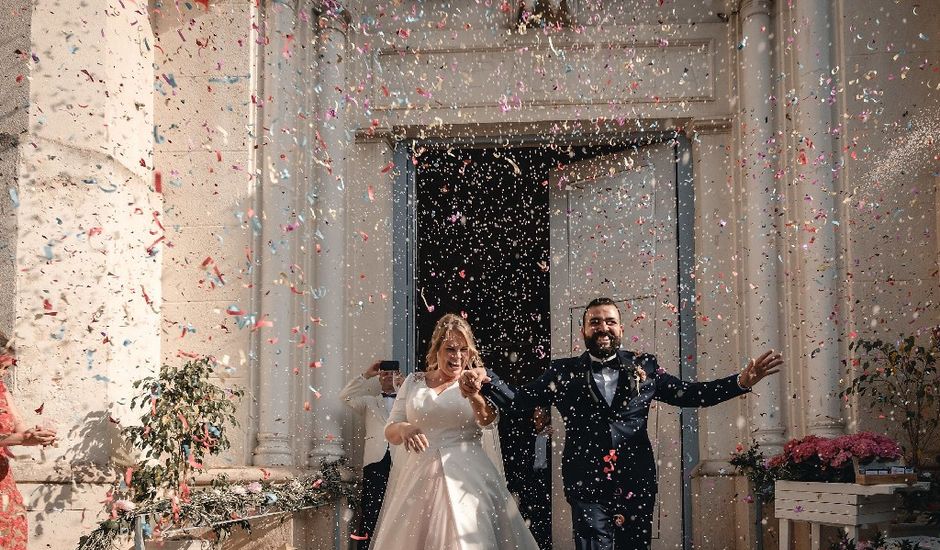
{"x": 540, "y": 461}
{"x": 607, "y": 378}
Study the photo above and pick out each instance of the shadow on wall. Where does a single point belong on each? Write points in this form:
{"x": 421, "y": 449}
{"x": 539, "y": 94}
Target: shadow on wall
{"x": 96, "y": 458}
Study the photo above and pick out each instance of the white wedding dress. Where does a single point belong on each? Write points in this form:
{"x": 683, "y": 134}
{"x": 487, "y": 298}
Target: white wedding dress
{"x": 451, "y": 496}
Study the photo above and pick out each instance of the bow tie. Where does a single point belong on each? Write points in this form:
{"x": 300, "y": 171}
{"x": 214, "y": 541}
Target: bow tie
{"x": 612, "y": 363}
{"x": 392, "y": 395}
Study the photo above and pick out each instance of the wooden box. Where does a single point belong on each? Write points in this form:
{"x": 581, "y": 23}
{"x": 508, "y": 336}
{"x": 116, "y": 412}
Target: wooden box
{"x": 847, "y": 504}
{"x": 864, "y": 476}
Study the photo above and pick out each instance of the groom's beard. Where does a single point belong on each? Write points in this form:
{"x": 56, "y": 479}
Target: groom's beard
{"x": 605, "y": 351}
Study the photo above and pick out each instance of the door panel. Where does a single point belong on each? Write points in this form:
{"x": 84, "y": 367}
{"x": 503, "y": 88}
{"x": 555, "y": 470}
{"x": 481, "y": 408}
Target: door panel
{"x": 613, "y": 233}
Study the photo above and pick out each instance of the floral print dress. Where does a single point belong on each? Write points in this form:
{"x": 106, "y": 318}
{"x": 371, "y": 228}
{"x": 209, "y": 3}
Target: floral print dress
{"x": 13, "y": 527}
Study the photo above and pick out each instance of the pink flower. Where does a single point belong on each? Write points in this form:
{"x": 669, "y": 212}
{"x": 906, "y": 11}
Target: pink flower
{"x": 124, "y": 505}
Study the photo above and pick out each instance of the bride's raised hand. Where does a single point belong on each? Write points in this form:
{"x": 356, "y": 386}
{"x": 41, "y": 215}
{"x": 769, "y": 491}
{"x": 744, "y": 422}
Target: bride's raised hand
{"x": 414, "y": 439}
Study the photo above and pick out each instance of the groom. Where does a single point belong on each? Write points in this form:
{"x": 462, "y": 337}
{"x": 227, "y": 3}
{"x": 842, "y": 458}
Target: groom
{"x": 604, "y": 398}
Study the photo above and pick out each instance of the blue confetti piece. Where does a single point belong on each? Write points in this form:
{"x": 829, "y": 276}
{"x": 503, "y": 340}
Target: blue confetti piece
{"x": 15, "y": 197}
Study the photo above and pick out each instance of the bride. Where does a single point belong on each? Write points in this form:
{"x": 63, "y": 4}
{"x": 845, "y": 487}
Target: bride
{"x": 448, "y": 491}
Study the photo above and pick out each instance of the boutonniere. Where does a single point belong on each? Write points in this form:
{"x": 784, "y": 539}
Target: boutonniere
{"x": 640, "y": 375}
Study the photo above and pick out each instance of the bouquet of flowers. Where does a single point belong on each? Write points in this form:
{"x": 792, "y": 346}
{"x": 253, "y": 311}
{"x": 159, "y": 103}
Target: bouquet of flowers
{"x": 813, "y": 458}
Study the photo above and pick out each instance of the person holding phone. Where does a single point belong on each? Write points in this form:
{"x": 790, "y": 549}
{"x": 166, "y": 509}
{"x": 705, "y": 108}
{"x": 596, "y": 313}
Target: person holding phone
{"x": 361, "y": 395}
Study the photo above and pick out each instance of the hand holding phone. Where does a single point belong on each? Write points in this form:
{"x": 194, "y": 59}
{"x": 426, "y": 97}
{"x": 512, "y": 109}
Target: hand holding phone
{"x": 390, "y": 365}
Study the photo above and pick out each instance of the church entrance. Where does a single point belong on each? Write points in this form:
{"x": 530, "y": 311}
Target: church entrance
{"x": 517, "y": 239}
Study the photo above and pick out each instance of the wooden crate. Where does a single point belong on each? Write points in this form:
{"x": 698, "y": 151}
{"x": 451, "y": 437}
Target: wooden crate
{"x": 881, "y": 479}
{"x": 846, "y": 505}
{"x": 834, "y": 503}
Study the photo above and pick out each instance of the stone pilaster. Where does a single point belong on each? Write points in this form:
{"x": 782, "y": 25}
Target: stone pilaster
{"x": 330, "y": 267}
{"x": 758, "y": 120}
{"x": 815, "y": 163}
{"x": 278, "y": 249}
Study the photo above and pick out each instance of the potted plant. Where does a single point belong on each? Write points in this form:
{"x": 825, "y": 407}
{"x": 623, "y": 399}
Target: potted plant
{"x": 899, "y": 381}
{"x": 184, "y": 420}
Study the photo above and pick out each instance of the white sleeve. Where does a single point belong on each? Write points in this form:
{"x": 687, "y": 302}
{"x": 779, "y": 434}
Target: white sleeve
{"x": 398, "y": 413}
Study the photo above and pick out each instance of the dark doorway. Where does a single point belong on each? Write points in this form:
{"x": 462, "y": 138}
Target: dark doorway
{"x": 482, "y": 226}
{"x": 482, "y": 251}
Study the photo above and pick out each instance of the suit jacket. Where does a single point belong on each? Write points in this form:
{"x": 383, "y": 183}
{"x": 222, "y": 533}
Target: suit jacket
{"x": 593, "y": 428}
{"x": 361, "y": 395}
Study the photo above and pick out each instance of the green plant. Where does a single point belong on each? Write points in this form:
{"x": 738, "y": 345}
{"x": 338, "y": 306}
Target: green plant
{"x": 899, "y": 380}
{"x": 184, "y": 419}
{"x": 880, "y": 542}
{"x": 750, "y": 461}
{"x": 222, "y": 507}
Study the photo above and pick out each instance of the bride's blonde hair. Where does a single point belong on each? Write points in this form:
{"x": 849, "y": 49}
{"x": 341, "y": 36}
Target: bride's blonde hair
{"x": 452, "y": 323}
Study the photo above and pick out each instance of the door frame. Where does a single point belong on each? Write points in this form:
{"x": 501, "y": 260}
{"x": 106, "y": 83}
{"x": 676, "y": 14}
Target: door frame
{"x": 404, "y": 265}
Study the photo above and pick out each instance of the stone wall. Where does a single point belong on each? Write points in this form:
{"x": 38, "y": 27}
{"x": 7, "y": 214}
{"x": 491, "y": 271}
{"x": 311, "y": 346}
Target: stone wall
{"x": 205, "y": 134}
{"x": 87, "y": 261}
{"x": 14, "y": 99}
{"x": 134, "y": 144}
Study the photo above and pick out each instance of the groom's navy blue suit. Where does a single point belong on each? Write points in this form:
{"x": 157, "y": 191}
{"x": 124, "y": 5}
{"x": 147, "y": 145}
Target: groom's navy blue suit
{"x": 593, "y": 428}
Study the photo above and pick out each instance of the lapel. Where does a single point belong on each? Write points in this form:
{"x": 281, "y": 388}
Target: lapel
{"x": 590, "y": 385}
{"x": 379, "y": 408}
{"x": 626, "y": 381}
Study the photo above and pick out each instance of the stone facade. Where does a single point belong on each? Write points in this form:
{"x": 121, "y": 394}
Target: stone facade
{"x": 169, "y": 163}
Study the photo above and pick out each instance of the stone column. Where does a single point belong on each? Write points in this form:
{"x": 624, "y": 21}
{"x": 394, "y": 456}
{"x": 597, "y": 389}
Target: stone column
{"x": 815, "y": 161}
{"x": 276, "y": 249}
{"x": 331, "y": 227}
{"x": 88, "y": 235}
{"x": 14, "y": 124}
{"x": 757, "y": 120}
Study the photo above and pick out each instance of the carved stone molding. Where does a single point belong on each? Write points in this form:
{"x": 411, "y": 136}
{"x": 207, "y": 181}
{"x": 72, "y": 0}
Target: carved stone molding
{"x": 754, "y": 7}
{"x": 569, "y": 10}
{"x": 683, "y": 70}
{"x": 331, "y": 14}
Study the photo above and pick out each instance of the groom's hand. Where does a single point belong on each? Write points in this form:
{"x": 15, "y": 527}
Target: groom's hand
{"x": 757, "y": 369}
{"x": 472, "y": 380}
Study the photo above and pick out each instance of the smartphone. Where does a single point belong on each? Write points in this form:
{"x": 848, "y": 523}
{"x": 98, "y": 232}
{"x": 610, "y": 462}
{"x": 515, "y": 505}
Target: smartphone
{"x": 388, "y": 365}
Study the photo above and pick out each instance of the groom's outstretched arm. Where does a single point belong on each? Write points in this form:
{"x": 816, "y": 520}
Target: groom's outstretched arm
{"x": 680, "y": 393}
{"x": 507, "y": 398}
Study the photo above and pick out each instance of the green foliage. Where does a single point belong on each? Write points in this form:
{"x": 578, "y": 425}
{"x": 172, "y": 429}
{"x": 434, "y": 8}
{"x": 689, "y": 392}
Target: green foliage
{"x": 225, "y": 506}
{"x": 880, "y": 542}
{"x": 899, "y": 380}
{"x": 754, "y": 466}
{"x": 184, "y": 420}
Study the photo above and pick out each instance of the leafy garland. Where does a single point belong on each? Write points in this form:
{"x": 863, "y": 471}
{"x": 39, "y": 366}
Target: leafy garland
{"x": 222, "y": 507}
{"x": 183, "y": 421}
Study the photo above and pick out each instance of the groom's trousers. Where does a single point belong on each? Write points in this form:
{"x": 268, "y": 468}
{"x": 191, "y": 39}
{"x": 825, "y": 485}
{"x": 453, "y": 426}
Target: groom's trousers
{"x": 374, "y": 480}
{"x": 607, "y": 526}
